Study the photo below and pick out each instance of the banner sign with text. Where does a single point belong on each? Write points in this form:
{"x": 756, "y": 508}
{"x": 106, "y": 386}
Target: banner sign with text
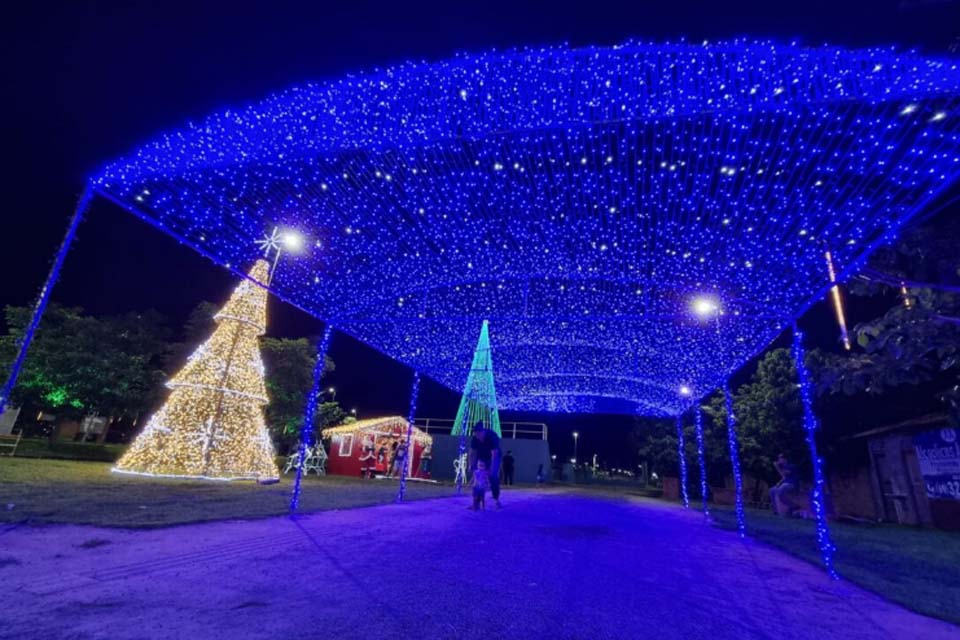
{"x": 939, "y": 455}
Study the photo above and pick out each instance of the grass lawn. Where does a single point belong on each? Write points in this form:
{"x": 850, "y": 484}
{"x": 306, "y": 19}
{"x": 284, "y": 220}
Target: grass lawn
{"x": 66, "y": 491}
{"x": 65, "y": 450}
{"x": 918, "y": 568}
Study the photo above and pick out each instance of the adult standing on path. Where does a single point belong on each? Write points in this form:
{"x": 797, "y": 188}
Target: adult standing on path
{"x": 485, "y": 446}
{"x": 508, "y": 464}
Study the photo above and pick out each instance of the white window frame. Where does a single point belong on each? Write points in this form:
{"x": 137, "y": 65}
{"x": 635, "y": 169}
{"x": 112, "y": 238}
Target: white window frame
{"x": 346, "y": 445}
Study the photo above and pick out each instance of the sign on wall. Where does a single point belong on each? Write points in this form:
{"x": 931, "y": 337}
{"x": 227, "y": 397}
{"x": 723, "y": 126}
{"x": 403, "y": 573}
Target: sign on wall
{"x": 939, "y": 455}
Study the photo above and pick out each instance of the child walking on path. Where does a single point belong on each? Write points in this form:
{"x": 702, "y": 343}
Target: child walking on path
{"x": 481, "y": 482}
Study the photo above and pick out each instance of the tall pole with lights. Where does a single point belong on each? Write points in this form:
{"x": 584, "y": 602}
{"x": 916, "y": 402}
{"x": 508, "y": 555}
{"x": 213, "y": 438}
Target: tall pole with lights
{"x": 576, "y": 438}
{"x": 709, "y": 308}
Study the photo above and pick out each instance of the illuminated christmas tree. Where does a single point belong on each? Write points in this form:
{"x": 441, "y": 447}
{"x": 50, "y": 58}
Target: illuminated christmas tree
{"x": 479, "y": 400}
{"x": 478, "y": 403}
{"x": 212, "y": 424}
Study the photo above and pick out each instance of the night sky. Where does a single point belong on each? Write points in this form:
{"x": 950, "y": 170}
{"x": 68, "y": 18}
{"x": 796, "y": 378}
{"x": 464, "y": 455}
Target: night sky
{"x": 86, "y": 81}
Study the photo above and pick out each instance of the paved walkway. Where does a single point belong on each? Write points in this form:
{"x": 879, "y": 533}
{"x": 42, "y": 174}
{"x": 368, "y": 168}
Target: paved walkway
{"x": 547, "y": 566}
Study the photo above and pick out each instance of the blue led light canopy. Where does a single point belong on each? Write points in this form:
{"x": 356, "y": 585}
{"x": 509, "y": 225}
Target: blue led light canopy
{"x": 580, "y": 200}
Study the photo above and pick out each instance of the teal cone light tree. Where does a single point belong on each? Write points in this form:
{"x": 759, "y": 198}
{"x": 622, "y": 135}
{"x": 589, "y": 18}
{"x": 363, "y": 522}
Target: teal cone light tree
{"x": 479, "y": 402}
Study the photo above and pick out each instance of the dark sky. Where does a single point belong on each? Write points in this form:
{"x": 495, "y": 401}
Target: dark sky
{"x": 86, "y": 81}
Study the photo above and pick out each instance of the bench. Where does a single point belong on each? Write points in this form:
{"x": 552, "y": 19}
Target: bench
{"x": 11, "y": 442}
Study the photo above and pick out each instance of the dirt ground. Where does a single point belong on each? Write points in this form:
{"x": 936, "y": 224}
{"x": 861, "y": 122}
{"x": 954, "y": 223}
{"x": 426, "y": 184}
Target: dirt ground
{"x": 558, "y": 566}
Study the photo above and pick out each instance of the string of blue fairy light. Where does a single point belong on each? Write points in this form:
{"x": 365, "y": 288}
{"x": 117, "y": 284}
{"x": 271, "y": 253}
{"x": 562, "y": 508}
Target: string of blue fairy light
{"x": 734, "y": 451}
{"x": 701, "y": 457}
{"x": 682, "y": 456}
{"x": 810, "y": 426}
{"x": 410, "y": 448}
{"x": 306, "y": 429}
{"x": 579, "y": 199}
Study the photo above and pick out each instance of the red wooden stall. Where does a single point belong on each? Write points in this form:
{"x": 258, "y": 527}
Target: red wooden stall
{"x": 363, "y": 448}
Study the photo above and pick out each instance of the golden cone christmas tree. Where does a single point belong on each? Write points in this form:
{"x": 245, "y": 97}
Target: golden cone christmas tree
{"x": 212, "y": 424}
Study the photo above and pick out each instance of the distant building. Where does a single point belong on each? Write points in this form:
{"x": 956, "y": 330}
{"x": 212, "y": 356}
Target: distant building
{"x": 913, "y": 475}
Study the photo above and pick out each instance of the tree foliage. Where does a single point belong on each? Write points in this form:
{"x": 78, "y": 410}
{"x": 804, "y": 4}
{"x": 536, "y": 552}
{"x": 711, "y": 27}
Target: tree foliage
{"x": 79, "y": 364}
{"x": 289, "y": 377}
{"x": 917, "y": 339}
{"x": 768, "y": 414}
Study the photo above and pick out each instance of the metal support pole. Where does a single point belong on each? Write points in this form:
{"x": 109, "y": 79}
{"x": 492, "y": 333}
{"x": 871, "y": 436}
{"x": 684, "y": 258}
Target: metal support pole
{"x": 682, "y": 456}
{"x": 411, "y": 416}
{"x": 306, "y": 429}
{"x": 734, "y": 457}
{"x": 810, "y": 426}
{"x": 701, "y": 457}
{"x": 44, "y": 298}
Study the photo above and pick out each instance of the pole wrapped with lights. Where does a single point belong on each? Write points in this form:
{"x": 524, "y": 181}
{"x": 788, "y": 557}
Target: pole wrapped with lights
{"x": 734, "y": 447}
{"x": 306, "y": 429}
{"x": 411, "y": 416}
{"x": 682, "y": 456}
{"x": 810, "y": 426}
{"x": 44, "y": 297}
{"x": 701, "y": 457}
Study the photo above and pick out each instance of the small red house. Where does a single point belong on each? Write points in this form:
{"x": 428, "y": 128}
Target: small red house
{"x": 364, "y": 448}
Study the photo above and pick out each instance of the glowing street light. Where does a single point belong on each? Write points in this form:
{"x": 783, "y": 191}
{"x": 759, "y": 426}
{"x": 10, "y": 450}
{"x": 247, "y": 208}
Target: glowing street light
{"x": 705, "y": 307}
{"x": 276, "y": 242}
{"x": 685, "y": 390}
{"x": 576, "y": 438}
{"x": 292, "y": 241}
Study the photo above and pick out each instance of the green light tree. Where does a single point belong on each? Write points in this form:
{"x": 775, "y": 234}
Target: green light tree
{"x": 478, "y": 403}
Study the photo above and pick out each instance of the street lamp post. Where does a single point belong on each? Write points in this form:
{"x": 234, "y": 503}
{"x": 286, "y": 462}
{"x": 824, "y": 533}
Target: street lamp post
{"x": 576, "y": 437}
{"x": 333, "y": 394}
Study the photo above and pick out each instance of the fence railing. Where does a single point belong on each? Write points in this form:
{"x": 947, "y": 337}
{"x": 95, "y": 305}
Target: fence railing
{"x": 527, "y": 430}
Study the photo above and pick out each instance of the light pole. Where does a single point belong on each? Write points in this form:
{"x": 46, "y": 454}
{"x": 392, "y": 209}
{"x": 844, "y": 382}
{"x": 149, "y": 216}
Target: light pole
{"x": 353, "y": 412}
{"x": 333, "y": 394}
{"x": 576, "y": 437}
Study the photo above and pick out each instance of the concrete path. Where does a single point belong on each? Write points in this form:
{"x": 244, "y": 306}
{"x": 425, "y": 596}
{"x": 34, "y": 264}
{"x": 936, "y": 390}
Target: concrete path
{"x": 553, "y": 566}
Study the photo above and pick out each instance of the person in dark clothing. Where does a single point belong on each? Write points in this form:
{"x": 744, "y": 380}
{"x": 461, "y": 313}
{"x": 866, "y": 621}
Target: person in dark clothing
{"x": 508, "y": 468}
{"x": 485, "y": 446}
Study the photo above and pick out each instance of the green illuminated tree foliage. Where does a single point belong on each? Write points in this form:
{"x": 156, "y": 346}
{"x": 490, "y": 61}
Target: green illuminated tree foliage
{"x": 479, "y": 400}
{"x": 79, "y": 364}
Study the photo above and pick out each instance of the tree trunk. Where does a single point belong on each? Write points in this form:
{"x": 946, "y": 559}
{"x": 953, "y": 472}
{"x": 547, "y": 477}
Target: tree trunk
{"x": 102, "y": 436}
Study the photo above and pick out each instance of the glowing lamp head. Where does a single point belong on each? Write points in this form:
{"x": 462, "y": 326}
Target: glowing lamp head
{"x": 705, "y": 307}
{"x": 292, "y": 241}
{"x": 576, "y": 434}
{"x": 685, "y": 390}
